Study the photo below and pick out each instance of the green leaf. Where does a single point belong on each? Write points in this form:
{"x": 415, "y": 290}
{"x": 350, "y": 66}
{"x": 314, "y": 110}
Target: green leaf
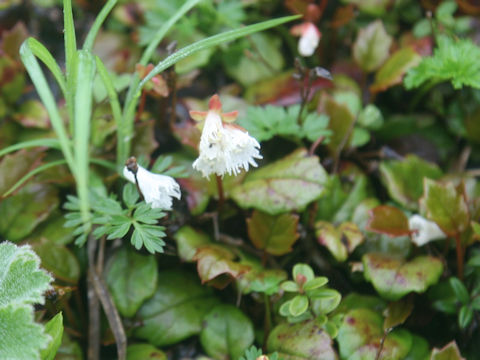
{"x": 461, "y": 292}
{"x": 131, "y": 278}
{"x": 176, "y": 310}
{"x": 465, "y": 316}
{"x": 226, "y": 332}
{"x": 392, "y": 72}
{"x": 273, "y": 234}
{"x": 189, "y": 240}
{"x": 302, "y": 273}
{"x": 315, "y": 126}
{"x": 448, "y": 352}
{"x": 22, "y": 212}
{"x": 404, "y": 179}
{"x": 315, "y": 283}
{"x": 360, "y": 334}
{"x": 324, "y": 300}
{"x": 305, "y": 340}
{"x": 54, "y": 328}
{"x": 446, "y": 206}
{"x": 144, "y": 351}
{"x": 453, "y": 60}
{"x": 288, "y": 184}
{"x": 340, "y": 241}
{"x": 259, "y": 279}
{"x": 371, "y": 7}
{"x": 22, "y": 284}
{"x": 397, "y": 313}
{"x": 388, "y": 220}
{"x": 298, "y": 305}
{"x": 58, "y": 259}
{"x": 393, "y": 278}
{"x": 372, "y": 46}
{"x": 149, "y": 236}
{"x": 14, "y": 166}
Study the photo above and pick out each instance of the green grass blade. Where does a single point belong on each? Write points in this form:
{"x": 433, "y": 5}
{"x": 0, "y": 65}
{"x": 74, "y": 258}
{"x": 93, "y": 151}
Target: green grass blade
{"x": 33, "y": 173}
{"x": 85, "y": 68}
{"x": 69, "y": 34}
{"x": 210, "y": 42}
{"x": 147, "y": 54}
{"x": 113, "y": 97}
{"x": 38, "y": 79}
{"x": 105, "y": 163}
{"x": 102, "y": 15}
{"x": 44, "y": 55}
{"x": 47, "y": 142}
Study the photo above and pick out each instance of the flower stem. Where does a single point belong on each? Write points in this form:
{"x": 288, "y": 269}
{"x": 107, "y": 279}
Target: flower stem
{"x": 459, "y": 247}
{"x": 268, "y": 320}
{"x": 221, "y": 196}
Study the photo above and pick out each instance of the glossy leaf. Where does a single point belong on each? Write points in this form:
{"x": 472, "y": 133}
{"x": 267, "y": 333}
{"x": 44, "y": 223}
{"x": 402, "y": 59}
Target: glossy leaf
{"x": 144, "y": 351}
{"x": 227, "y": 332}
{"x": 388, "y": 220}
{"x": 372, "y": 46}
{"x": 131, "y": 278}
{"x": 189, "y": 240}
{"x": 176, "y": 310}
{"x": 394, "y": 278}
{"x": 361, "y": 332}
{"x": 288, "y": 184}
{"x": 22, "y": 212}
{"x": 392, "y": 72}
{"x": 404, "y": 179}
{"x": 340, "y": 241}
{"x": 444, "y": 205}
{"x": 274, "y": 234}
{"x": 305, "y": 340}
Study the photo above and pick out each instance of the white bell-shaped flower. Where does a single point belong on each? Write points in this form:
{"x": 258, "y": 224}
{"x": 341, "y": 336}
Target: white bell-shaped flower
{"x": 309, "y": 38}
{"x": 224, "y": 148}
{"x": 423, "y": 230}
{"x": 156, "y": 189}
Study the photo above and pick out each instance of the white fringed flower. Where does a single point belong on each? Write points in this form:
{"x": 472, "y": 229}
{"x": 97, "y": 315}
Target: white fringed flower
{"x": 309, "y": 38}
{"x": 156, "y": 189}
{"x": 423, "y": 230}
{"x": 224, "y": 148}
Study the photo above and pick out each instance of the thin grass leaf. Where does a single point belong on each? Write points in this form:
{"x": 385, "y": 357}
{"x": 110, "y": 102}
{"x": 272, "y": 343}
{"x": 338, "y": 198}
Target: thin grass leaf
{"x": 106, "y": 164}
{"x": 83, "y": 112}
{"x": 102, "y": 15}
{"x": 33, "y": 173}
{"x": 38, "y": 79}
{"x": 69, "y": 35}
{"x": 47, "y": 142}
{"x": 114, "y": 102}
{"x": 46, "y": 57}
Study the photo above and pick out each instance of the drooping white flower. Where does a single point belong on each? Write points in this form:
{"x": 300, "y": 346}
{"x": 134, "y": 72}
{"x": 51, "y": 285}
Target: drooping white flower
{"x": 224, "y": 148}
{"x": 309, "y": 38}
{"x": 423, "y": 230}
{"x": 156, "y": 189}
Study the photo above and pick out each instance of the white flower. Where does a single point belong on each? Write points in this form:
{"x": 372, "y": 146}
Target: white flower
{"x": 309, "y": 38}
{"x": 156, "y": 189}
{"x": 423, "y": 230}
{"x": 224, "y": 148}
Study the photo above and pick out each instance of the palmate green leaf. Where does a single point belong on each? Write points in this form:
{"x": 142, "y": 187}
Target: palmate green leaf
{"x": 149, "y": 236}
{"x": 22, "y": 284}
{"x": 454, "y": 60}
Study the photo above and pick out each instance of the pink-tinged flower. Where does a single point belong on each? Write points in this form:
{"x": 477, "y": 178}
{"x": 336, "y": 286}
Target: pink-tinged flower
{"x": 424, "y": 231}
{"x": 157, "y": 190}
{"x": 224, "y": 147}
{"x": 309, "y": 38}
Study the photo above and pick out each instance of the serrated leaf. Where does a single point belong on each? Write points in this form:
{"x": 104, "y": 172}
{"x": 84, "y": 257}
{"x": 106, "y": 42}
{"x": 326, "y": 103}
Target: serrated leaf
{"x": 445, "y": 206}
{"x": 149, "y": 236}
{"x": 130, "y": 195}
{"x": 273, "y": 234}
{"x": 315, "y": 126}
{"x": 393, "y": 278}
{"x": 176, "y": 310}
{"x": 22, "y": 284}
{"x": 372, "y": 46}
{"x": 404, "y": 179}
{"x": 453, "y": 60}
{"x": 227, "y": 332}
{"x": 54, "y": 328}
{"x": 131, "y": 278}
{"x": 285, "y": 185}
